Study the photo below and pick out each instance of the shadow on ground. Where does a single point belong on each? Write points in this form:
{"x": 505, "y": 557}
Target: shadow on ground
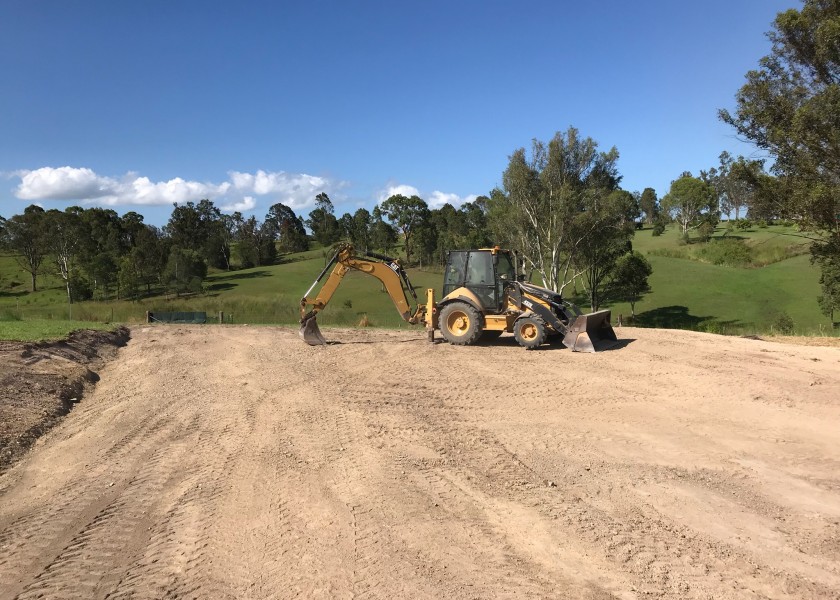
{"x": 678, "y": 317}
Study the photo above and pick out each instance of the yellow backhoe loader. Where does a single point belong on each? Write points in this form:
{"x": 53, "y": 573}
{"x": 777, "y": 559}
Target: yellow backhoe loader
{"x": 483, "y": 296}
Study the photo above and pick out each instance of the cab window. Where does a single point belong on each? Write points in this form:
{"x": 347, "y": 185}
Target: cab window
{"x": 455, "y": 272}
{"x": 480, "y": 269}
{"x": 505, "y": 268}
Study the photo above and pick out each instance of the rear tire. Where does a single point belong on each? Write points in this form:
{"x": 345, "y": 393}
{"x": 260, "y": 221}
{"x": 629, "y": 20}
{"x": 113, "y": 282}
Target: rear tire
{"x": 529, "y": 331}
{"x": 460, "y": 324}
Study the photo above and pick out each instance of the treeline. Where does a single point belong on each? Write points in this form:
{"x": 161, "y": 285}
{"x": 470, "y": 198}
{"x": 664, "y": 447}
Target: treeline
{"x": 560, "y": 205}
{"x": 735, "y": 188}
{"x": 99, "y": 254}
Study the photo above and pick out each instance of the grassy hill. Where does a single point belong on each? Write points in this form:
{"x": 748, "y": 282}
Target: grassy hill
{"x": 689, "y": 290}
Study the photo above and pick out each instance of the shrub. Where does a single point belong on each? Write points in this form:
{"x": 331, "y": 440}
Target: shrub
{"x": 705, "y": 231}
{"x": 658, "y": 228}
{"x": 761, "y": 224}
{"x": 80, "y": 288}
{"x": 670, "y": 252}
{"x": 743, "y": 224}
{"x": 783, "y": 323}
{"x": 728, "y": 252}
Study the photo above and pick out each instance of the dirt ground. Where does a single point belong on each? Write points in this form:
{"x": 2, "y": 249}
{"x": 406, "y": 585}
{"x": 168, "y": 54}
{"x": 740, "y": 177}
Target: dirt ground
{"x": 41, "y": 381}
{"x": 237, "y": 462}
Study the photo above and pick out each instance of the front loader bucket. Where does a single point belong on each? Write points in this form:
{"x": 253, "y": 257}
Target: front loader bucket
{"x": 590, "y": 333}
{"x": 311, "y": 333}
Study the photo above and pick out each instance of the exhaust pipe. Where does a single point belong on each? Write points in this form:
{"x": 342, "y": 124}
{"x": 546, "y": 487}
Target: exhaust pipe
{"x": 591, "y": 333}
{"x": 310, "y": 332}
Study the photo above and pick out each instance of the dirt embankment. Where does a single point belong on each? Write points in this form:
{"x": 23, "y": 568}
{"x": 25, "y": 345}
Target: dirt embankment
{"x": 237, "y": 462}
{"x": 40, "y": 382}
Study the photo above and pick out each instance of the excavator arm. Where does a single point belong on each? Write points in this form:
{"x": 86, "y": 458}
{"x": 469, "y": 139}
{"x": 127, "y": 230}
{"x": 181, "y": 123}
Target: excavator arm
{"x": 387, "y": 270}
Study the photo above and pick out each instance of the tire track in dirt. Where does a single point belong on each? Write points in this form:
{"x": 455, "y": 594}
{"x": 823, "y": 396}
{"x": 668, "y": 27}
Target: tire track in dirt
{"x": 237, "y": 463}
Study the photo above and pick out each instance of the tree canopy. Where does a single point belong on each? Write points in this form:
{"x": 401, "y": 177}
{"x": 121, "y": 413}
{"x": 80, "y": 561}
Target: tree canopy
{"x": 545, "y": 196}
{"x": 688, "y": 199}
{"x": 790, "y": 107}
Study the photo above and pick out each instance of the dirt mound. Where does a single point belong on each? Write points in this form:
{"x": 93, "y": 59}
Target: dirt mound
{"x": 40, "y": 382}
{"x": 238, "y": 462}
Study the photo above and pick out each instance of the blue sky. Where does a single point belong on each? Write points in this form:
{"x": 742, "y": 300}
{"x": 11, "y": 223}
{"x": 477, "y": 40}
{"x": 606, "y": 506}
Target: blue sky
{"x": 134, "y": 105}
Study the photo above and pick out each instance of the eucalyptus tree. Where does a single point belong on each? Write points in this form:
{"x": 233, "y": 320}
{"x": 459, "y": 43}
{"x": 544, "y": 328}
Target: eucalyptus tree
{"x": 688, "y": 199}
{"x": 407, "y": 215}
{"x": 25, "y": 237}
{"x": 544, "y": 195}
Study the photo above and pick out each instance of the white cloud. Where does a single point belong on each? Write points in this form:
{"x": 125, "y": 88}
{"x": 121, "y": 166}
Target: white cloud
{"x": 435, "y": 199}
{"x": 296, "y": 190}
{"x": 247, "y": 203}
{"x": 64, "y": 183}
{"x": 393, "y": 190}
{"x": 438, "y": 199}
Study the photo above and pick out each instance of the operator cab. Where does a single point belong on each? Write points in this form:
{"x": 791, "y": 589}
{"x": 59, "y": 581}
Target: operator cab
{"x": 483, "y": 272}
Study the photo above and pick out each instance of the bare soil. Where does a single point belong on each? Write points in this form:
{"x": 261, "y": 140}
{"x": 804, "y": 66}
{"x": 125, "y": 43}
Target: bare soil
{"x": 40, "y": 382}
{"x": 237, "y": 462}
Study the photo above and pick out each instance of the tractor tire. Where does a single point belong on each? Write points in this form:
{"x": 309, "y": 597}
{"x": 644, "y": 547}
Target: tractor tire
{"x": 460, "y": 324}
{"x": 529, "y": 331}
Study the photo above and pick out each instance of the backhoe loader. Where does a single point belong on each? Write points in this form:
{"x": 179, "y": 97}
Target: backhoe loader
{"x": 483, "y": 296}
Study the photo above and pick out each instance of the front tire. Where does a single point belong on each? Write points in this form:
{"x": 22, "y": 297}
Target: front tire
{"x": 529, "y": 331}
{"x": 460, "y": 324}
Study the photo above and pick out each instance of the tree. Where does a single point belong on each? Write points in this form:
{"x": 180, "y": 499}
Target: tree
{"x": 790, "y": 107}
{"x": 382, "y": 235}
{"x": 104, "y": 242}
{"x": 129, "y": 276}
{"x": 322, "y": 221}
{"x": 688, "y": 198}
{"x": 630, "y": 279}
{"x": 288, "y": 228}
{"x": 25, "y": 236}
{"x": 473, "y": 215}
{"x": 609, "y": 225}
{"x": 150, "y": 252}
{"x": 185, "y": 270}
{"x": 733, "y": 181}
{"x": 65, "y": 233}
{"x": 406, "y": 215}
{"x": 649, "y": 205}
{"x": 827, "y": 255}
{"x": 543, "y": 196}
{"x": 256, "y": 243}
{"x": 199, "y": 227}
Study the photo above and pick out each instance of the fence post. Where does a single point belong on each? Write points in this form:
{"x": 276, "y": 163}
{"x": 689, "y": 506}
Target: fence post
{"x": 221, "y": 317}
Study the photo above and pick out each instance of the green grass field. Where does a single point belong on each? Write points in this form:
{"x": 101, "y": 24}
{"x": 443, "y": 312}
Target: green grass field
{"x": 690, "y": 294}
{"x": 686, "y": 291}
{"x": 40, "y": 330}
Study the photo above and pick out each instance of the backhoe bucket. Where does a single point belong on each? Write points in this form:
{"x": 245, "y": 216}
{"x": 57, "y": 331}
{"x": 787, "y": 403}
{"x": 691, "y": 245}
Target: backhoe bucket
{"x": 310, "y": 333}
{"x": 591, "y": 333}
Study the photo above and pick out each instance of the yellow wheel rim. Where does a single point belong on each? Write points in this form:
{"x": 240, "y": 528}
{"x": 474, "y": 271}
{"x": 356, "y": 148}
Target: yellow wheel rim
{"x": 458, "y": 323}
{"x": 528, "y": 331}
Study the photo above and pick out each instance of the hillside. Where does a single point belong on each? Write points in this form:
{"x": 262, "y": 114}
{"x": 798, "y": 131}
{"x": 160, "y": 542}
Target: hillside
{"x": 686, "y": 291}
